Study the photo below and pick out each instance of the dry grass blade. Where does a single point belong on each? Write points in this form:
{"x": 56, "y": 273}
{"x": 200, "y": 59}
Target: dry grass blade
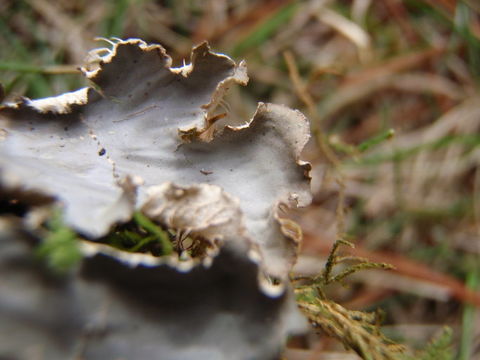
{"x": 321, "y": 139}
{"x": 361, "y": 86}
{"x": 350, "y": 30}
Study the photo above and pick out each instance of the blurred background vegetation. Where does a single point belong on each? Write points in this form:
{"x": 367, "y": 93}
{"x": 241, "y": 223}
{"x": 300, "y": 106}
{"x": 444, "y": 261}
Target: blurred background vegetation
{"x": 392, "y": 91}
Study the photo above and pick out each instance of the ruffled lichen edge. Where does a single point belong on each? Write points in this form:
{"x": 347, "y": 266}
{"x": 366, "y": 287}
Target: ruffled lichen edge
{"x": 69, "y": 102}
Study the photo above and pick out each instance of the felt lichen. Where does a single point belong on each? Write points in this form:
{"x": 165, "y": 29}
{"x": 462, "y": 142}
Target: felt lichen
{"x": 179, "y": 214}
{"x": 101, "y": 152}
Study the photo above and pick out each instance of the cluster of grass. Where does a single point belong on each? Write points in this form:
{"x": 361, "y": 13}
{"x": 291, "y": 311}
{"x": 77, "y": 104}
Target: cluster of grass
{"x": 60, "y": 250}
{"x": 391, "y": 89}
{"x": 60, "y": 246}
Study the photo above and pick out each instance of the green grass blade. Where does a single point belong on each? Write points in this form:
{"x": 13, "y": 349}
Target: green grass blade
{"x": 153, "y": 229}
{"x": 266, "y": 29}
{"x": 463, "y": 22}
{"x": 468, "y": 318}
{"x": 376, "y": 140}
{"x": 472, "y": 140}
{"x": 115, "y": 23}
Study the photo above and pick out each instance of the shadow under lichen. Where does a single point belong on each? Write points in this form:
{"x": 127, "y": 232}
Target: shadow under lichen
{"x": 107, "y": 308}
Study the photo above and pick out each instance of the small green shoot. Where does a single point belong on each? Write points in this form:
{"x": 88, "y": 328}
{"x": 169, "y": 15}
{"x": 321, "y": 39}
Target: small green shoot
{"x": 327, "y": 278}
{"x": 59, "y": 248}
{"x": 376, "y": 140}
{"x": 353, "y": 150}
{"x": 440, "y": 348}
